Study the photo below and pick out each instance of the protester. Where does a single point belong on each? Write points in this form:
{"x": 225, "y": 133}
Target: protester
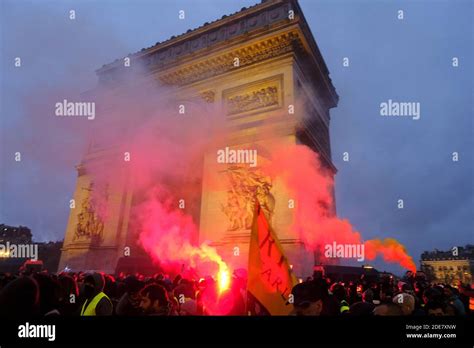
{"x": 468, "y": 294}
{"x": 307, "y": 299}
{"x": 406, "y": 302}
{"x": 129, "y": 303}
{"x": 452, "y": 297}
{"x": 49, "y": 293}
{"x": 364, "y": 307}
{"x": 69, "y": 295}
{"x": 340, "y": 294}
{"x": 97, "y": 302}
{"x": 154, "y": 300}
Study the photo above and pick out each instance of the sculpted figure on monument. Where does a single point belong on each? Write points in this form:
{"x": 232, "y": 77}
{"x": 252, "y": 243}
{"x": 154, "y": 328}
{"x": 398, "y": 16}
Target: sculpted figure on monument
{"x": 89, "y": 224}
{"x": 245, "y": 186}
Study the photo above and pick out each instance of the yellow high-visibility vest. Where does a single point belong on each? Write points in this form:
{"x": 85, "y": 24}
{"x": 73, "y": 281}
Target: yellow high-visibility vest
{"x": 88, "y": 308}
{"x": 344, "y": 306}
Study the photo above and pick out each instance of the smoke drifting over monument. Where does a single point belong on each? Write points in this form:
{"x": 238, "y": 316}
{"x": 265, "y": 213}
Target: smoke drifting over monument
{"x": 165, "y": 152}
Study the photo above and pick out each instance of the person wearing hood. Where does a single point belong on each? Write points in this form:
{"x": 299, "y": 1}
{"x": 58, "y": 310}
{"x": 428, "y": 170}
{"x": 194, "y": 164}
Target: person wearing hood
{"x": 97, "y": 302}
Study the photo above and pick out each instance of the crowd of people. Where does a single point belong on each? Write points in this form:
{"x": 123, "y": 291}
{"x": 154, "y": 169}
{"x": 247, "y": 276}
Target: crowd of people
{"x": 41, "y": 294}
{"x": 388, "y": 297}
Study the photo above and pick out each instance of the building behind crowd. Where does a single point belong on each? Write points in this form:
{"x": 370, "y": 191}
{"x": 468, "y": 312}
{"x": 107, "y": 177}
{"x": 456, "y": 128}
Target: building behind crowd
{"x": 48, "y": 252}
{"x": 15, "y": 234}
{"x": 449, "y": 266}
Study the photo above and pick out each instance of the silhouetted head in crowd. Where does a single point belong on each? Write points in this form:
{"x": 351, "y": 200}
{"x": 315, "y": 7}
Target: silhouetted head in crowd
{"x": 386, "y": 293}
{"x": 133, "y": 286}
{"x": 308, "y": 298}
{"x": 50, "y": 292}
{"x": 432, "y": 295}
{"x": 450, "y": 291}
{"x": 110, "y": 286}
{"x": 177, "y": 280}
{"x": 93, "y": 284}
{"x": 368, "y": 296}
{"x": 406, "y": 302}
{"x": 19, "y": 299}
{"x": 68, "y": 287}
{"x": 185, "y": 288}
{"x": 159, "y": 276}
{"x": 338, "y": 291}
{"x": 154, "y": 299}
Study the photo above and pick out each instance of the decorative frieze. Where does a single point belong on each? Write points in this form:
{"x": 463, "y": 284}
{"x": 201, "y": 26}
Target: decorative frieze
{"x": 261, "y": 95}
{"x": 247, "y": 55}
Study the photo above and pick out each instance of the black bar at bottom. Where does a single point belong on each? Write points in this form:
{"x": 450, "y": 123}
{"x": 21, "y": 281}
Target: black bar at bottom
{"x": 260, "y": 330}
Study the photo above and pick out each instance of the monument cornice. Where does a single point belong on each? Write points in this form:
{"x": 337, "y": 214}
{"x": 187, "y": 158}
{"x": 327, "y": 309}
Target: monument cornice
{"x": 221, "y": 63}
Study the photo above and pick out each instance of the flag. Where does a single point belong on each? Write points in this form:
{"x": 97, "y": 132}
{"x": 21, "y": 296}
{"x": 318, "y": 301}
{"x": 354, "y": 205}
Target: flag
{"x": 270, "y": 278}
